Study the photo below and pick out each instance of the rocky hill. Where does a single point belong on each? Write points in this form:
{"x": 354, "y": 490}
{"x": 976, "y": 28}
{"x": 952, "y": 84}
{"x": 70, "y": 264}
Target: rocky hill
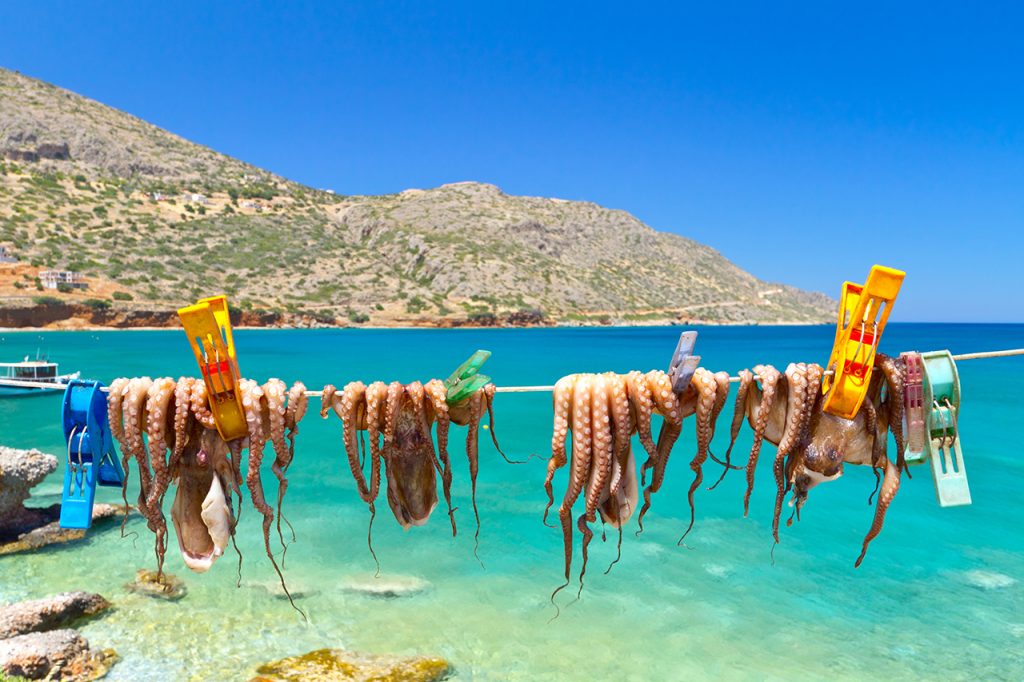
{"x": 154, "y": 221}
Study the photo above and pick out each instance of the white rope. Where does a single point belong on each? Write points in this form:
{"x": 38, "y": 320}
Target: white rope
{"x": 522, "y": 389}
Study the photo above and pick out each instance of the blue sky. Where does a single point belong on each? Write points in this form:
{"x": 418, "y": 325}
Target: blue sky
{"x": 805, "y": 141}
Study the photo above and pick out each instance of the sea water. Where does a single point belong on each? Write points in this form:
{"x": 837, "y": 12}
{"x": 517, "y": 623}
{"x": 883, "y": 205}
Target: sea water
{"x": 939, "y": 596}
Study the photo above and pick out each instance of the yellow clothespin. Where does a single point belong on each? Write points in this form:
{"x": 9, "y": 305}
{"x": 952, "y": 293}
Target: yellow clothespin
{"x": 208, "y": 327}
{"x": 863, "y": 312}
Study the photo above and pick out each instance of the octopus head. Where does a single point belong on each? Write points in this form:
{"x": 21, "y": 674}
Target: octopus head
{"x": 820, "y": 462}
{"x": 201, "y": 511}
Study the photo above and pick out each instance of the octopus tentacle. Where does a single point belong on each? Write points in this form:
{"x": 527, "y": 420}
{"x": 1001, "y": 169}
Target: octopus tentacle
{"x": 346, "y": 407}
{"x": 707, "y": 398}
{"x": 667, "y": 404}
{"x": 298, "y": 403}
{"x": 235, "y": 450}
{"x": 620, "y": 495}
{"x": 376, "y": 399}
{"x": 115, "y": 419}
{"x": 201, "y": 405}
{"x": 275, "y": 395}
{"x": 327, "y": 400}
{"x": 476, "y": 412}
{"x": 890, "y": 486}
{"x": 115, "y": 408}
{"x": 603, "y": 452}
{"x": 489, "y": 391}
{"x": 812, "y": 410}
{"x": 135, "y": 421}
{"x": 580, "y": 468}
{"x": 562, "y": 396}
{"x": 182, "y": 413}
{"x": 623, "y": 428}
{"x": 419, "y": 401}
{"x": 642, "y": 403}
{"x": 738, "y": 413}
{"x": 437, "y": 395}
{"x": 253, "y": 402}
{"x": 376, "y": 407}
{"x": 797, "y": 412}
{"x": 158, "y": 399}
{"x": 769, "y": 379}
{"x": 894, "y": 371}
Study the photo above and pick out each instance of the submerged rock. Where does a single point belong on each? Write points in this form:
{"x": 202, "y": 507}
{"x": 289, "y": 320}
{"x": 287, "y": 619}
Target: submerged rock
{"x": 988, "y": 580}
{"x": 54, "y": 655}
{"x": 336, "y": 665}
{"x": 151, "y": 584}
{"x": 57, "y": 611}
{"x": 41, "y": 527}
{"x": 385, "y": 586}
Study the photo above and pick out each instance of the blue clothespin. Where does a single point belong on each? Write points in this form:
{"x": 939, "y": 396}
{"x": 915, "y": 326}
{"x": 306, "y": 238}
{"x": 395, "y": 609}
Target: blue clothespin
{"x": 683, "y": 363}
{"x": 92, "y": 458}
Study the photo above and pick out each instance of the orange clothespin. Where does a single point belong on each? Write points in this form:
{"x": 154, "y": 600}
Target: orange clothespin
{"x": 208, "y": 327}
{"x": 863, "y": 312}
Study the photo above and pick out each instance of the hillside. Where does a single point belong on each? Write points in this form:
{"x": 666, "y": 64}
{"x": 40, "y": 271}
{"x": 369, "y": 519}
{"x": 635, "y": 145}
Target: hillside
{"x": 155, "y": 221}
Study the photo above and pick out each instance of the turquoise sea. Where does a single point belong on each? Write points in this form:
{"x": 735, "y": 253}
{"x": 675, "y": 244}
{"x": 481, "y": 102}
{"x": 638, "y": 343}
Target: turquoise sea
{"x": 940, "y": 595}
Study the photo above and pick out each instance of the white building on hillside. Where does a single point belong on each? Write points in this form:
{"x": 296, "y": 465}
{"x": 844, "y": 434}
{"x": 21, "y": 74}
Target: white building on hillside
{"x": 52, "y": 279}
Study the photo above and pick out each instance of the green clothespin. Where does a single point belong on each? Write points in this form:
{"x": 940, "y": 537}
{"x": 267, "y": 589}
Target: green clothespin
{"x": 942, "y": 441}
{"x": 465, "y": 380}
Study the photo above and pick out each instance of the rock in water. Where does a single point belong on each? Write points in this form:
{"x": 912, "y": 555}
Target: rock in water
{"x": 54, "y": 655}
{"x": 385, "y": 586}
{"x": 988, "y": 580}
{"x": 46, "y": 614}
{"x": 44, "y": 528}
{"x": 20, "y": 471}
{"x": 150, "y": 584}
{"x": 336, "y": 665}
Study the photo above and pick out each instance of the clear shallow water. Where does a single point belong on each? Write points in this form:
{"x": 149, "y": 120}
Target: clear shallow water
{"x": 940, "y": 595}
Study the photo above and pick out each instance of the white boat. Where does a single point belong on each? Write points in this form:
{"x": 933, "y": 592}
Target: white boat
{"x": 32, "y": 377}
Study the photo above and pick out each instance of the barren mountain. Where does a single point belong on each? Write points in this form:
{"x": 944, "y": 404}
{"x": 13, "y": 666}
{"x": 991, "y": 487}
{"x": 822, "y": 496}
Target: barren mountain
{"x": 155, "y": 221}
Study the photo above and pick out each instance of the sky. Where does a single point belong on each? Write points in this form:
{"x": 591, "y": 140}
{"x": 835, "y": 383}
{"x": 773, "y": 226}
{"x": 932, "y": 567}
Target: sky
{"x": 805, "y": 141}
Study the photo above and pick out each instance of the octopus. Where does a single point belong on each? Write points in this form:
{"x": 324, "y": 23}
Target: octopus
{"x": 813, "y": 446}
{"x": 202, "y": 510}
{"x": 398, "y": 419}
{"x": 602, "y": 412}
{"x": 169, "y": 431}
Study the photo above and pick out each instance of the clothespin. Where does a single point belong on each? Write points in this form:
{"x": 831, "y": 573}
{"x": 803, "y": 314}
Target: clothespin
{"x": 465, "y": 380}
{"x": 683, "y": 363}
{"x": 208, "y": 327}
{"x": 913, "y": 407}
{"x": 863, "y": 312}
{"x": 942, "y": 444}
{"x": 92, "y": 458}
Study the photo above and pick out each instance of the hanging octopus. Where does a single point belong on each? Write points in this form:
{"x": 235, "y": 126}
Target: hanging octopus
{"x": 602, "y": 411}
{"x": 813, "y": 445}
{"x": 168, "y": 429}
{"x": 398, "y": 419}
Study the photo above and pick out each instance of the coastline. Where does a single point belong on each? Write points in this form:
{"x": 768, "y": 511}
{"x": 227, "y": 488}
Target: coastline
{"x": 409, "y": 327}
{"x": 72, "y": 316}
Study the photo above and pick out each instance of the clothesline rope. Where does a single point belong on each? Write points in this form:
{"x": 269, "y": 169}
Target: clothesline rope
{"x": 540, "y": 389}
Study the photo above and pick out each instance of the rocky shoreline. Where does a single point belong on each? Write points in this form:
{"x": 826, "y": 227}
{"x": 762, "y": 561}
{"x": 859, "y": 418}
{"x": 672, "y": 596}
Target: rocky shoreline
{"x": 74, "y": 315}
{"x": 79, "y": 316}
{"x": 37, "y": 642}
